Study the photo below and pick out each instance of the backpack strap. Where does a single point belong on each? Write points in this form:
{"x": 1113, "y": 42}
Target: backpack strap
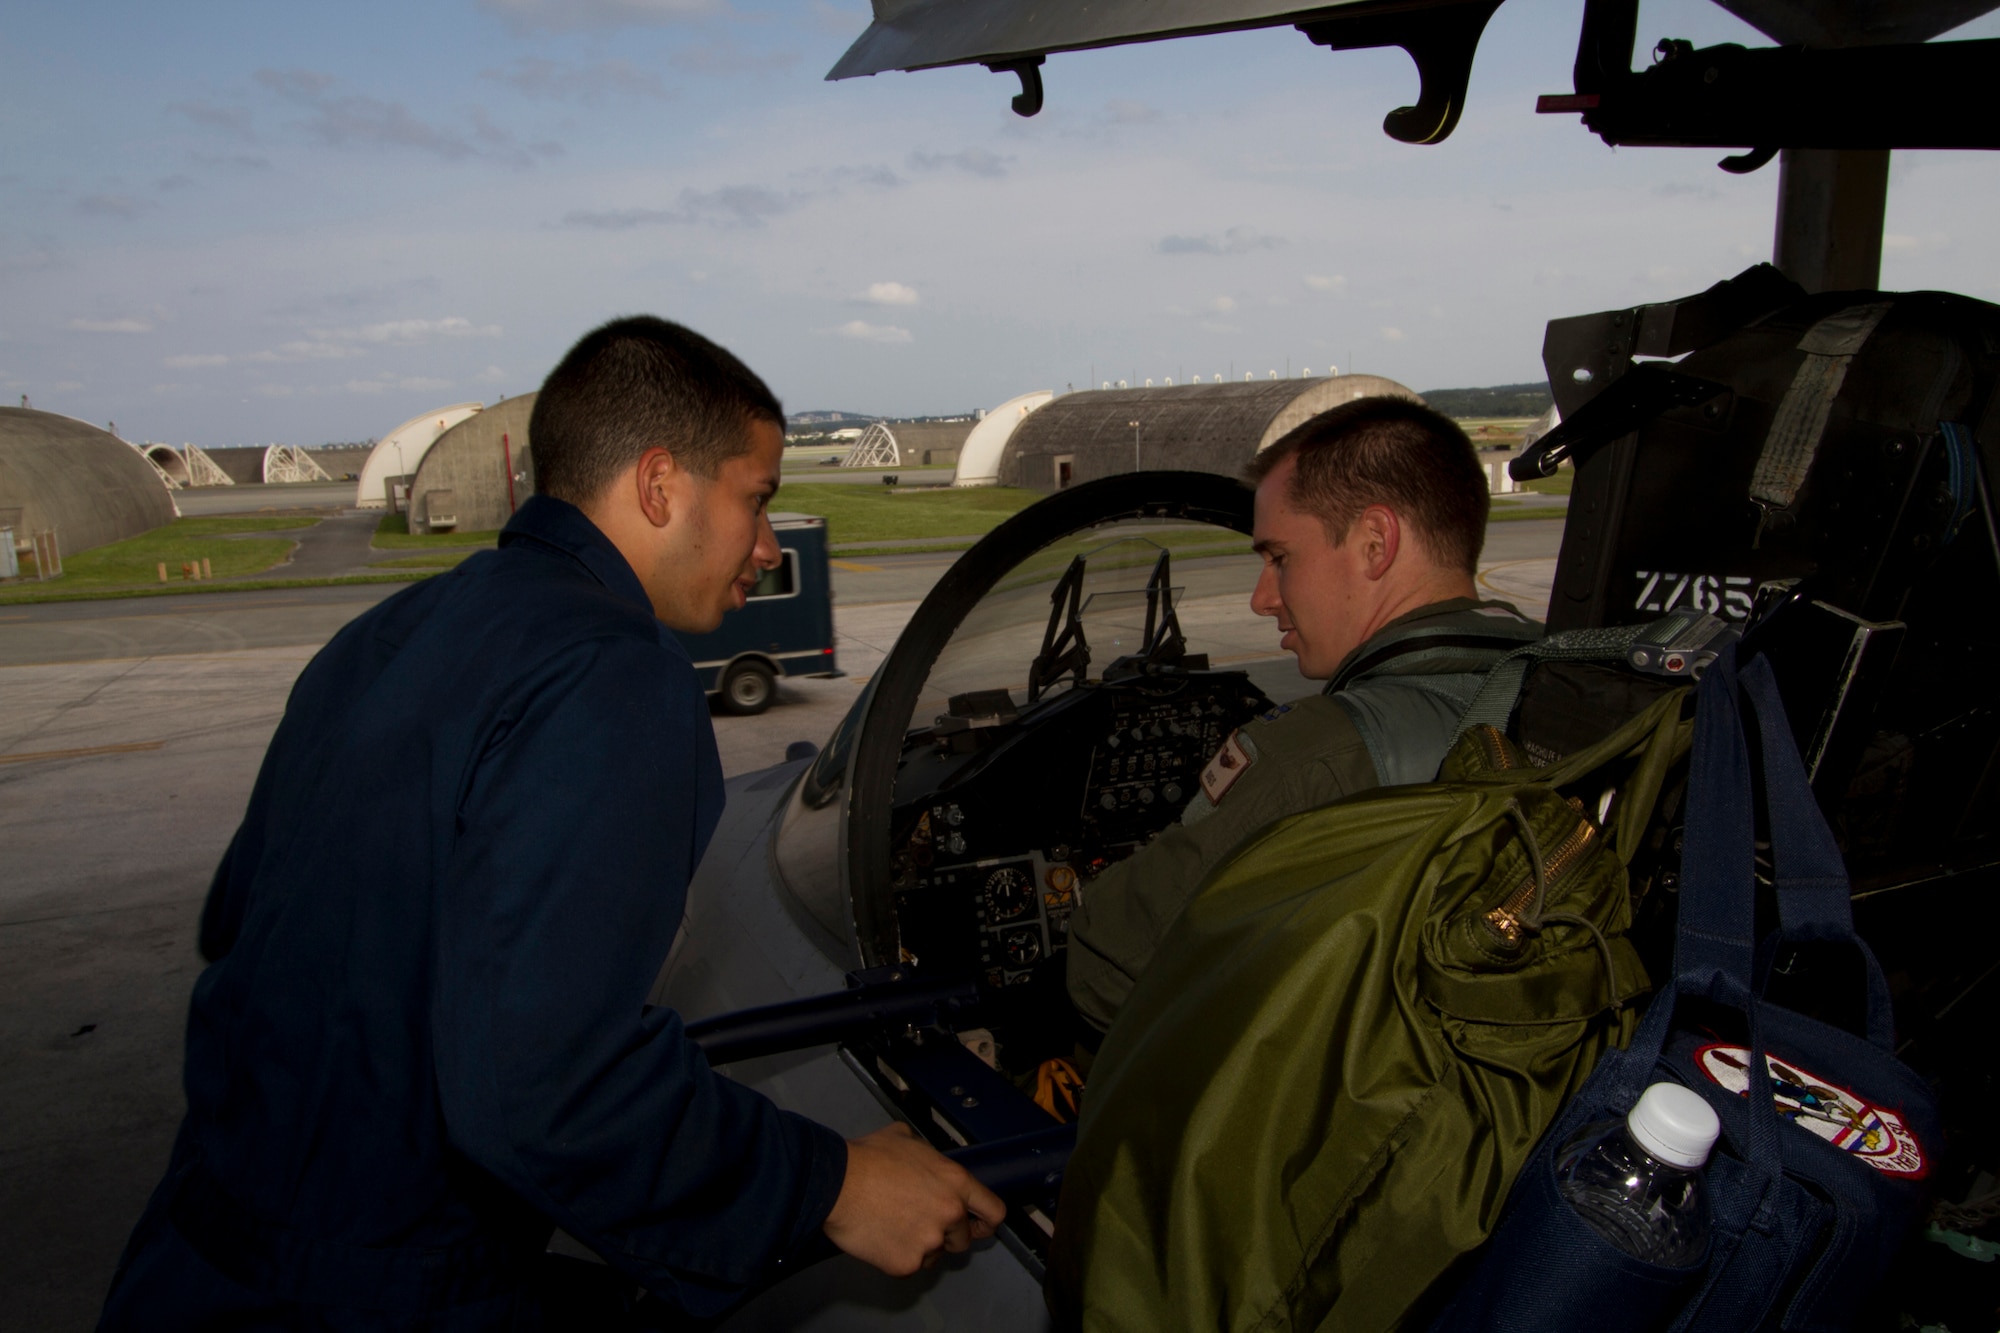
{"x": 1457, "y": 642}
{"x": 1809, "y": 874}
{"x": 1493, "y": 706}
{"x": 1696, "y": 635}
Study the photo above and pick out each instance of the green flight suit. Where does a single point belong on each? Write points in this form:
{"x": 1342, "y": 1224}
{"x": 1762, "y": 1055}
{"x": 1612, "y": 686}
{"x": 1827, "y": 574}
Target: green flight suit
{"x": 1390, "y": 713}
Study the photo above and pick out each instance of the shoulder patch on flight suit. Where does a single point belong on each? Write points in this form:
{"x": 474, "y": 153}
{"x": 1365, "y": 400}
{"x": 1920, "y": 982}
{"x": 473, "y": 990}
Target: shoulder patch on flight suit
{"x": 1231, "y": 762}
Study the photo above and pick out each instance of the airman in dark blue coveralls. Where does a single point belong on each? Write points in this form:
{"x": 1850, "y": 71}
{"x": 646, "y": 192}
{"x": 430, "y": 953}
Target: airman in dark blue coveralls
{"x": 421, "y": 1043}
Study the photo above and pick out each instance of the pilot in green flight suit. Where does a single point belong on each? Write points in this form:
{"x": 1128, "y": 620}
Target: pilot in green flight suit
{"x": 1370, "y": 518}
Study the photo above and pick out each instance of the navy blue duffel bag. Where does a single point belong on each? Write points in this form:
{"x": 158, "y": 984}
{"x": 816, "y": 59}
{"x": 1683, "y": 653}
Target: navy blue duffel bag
{"x": 1827, "y": 1138}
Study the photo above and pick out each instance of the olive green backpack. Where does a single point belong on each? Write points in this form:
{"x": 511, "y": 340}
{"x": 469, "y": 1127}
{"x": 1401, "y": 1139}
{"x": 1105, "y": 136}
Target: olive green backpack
{"x": 1321, "y": 1089}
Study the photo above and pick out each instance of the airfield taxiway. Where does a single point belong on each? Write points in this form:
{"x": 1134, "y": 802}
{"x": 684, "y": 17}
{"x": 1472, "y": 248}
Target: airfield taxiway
{"x": 130, "y": 733}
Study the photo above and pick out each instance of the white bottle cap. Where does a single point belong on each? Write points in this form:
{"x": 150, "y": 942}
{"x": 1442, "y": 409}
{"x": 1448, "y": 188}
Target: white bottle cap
{"x": 1674, "y": 1124}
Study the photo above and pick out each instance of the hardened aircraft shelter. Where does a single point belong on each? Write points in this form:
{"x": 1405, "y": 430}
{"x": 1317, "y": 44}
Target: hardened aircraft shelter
{"x": 401, "y": 452}
{"x": 477, "y": 473}
{"x": 243, "y": 463}
{"x": 909, "y": 444}
{"x": 1187, "y": 427}
{"x": 86, "y": 484}
{"x": 979, "y": 457}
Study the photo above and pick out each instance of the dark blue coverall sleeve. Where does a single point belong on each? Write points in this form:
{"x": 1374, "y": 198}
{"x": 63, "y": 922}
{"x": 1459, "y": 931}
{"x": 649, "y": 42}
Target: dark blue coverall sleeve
{"x": 576, "y": 832}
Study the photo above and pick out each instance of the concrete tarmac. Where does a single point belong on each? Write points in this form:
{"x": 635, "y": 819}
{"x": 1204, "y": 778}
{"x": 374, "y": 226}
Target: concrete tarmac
{"x": 258, "y": 498}
{"x": 130, "y": 734}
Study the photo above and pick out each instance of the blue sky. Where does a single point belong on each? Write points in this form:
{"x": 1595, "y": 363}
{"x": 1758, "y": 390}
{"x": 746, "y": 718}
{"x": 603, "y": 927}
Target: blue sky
{"x": 234, "y": 223}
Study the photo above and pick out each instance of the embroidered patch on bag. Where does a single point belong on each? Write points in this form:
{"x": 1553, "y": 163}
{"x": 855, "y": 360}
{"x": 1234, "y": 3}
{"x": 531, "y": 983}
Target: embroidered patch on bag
{"x": 1875, "y": 1135}
{"x": 1231, "y": 762}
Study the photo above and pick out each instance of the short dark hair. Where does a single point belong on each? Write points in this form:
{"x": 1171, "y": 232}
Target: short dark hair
{"x": 635, "y": 384}
{"x": 1393, "y": 452}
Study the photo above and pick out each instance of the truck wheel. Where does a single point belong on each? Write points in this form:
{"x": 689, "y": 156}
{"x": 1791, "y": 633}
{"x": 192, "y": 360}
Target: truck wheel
{"x": 748, "y": 688}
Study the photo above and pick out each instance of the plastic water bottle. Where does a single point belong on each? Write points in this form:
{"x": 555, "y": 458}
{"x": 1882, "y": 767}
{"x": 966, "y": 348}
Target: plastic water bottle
{"x": 1638, "y": 1182}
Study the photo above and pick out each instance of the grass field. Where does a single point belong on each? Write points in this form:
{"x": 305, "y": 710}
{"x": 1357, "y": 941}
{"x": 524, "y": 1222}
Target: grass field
{"x": 136, "y": 560}
{"x": 393, "y": 534}
{"x": 862, "y": 521}
{"x": 874, "y": 514}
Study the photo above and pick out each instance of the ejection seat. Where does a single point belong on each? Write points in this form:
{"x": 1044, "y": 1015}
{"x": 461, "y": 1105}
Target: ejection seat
{"x": 1816, "y": 470}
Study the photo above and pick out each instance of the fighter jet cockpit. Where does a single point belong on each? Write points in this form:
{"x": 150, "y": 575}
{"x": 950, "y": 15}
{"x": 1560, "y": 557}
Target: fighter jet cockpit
{"x": 1061, "y": 720}
{"x": 1048, "y": 711}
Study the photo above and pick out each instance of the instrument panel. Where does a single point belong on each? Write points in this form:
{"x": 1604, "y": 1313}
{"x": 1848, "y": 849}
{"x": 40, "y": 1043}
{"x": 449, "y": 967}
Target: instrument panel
{"x": 1004, "y": 817}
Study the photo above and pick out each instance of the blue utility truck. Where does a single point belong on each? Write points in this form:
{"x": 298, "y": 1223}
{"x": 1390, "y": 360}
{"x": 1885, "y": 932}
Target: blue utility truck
{"x": 784, "y": 629}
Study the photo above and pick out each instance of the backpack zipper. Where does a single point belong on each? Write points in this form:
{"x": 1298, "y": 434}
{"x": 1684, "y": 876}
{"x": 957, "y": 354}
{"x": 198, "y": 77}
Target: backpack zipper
{"x": 1497, "y": 757}
{"x": 1506, "y": 918}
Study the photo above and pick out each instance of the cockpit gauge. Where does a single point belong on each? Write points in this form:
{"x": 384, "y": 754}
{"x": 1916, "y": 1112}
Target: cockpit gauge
{"x": 1062, "y": 885}
{"x": 1009, "y": 893}
{"x": 1023, "y": 947}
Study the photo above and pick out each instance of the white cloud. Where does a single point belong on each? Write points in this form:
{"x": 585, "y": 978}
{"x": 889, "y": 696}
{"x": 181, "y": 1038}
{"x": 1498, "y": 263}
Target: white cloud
{"x": 973, "y": 161}
{"x": 1123, "y": 111}
{"x": 1235, "y": 241}
{"x": 403, "y": 331}
{"x": 1316, "y": 282}
{"x": 1391, "y": 335}
{"x": 128, "y": 325}
{"x": 195, "y": 361}
{"x": 1898, "y": 244}
{"x": 408, "y": 383}
{"x": 491, "y": 375}
{"x": 729, "y": 207}
{"x": 303, "y": 350}
{"x": 862, "y": 331}
{"x": 889, "y": 293}
{"x": 1222, "y": 305}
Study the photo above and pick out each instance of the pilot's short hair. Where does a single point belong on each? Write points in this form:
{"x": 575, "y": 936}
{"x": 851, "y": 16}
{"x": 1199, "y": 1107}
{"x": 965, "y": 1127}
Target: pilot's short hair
{"x": 1392, "y": 452}
{"x": 636, "y": 384}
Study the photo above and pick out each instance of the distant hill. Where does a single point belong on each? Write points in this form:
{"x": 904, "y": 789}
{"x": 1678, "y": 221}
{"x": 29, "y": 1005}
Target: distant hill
{"x": 1502, "y": 400}
{"x": 837, "y": 419}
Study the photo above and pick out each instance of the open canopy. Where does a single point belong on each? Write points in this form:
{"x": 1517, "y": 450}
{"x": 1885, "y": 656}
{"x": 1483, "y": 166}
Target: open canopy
{"x": 1847, "y": 74}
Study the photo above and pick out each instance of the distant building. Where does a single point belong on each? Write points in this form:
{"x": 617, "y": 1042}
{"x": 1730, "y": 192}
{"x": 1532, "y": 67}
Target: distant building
{"x": 979, "y": 457}
{"x": 1191, "y": 427}
{"x": 396, "y": 456}
{"x": 87, "y": 484}
{"x": 914, "y": 443}
{"x": 463, "y": 484}
{"x": 342, "y": 462}
{"x": 245, "y": 465}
